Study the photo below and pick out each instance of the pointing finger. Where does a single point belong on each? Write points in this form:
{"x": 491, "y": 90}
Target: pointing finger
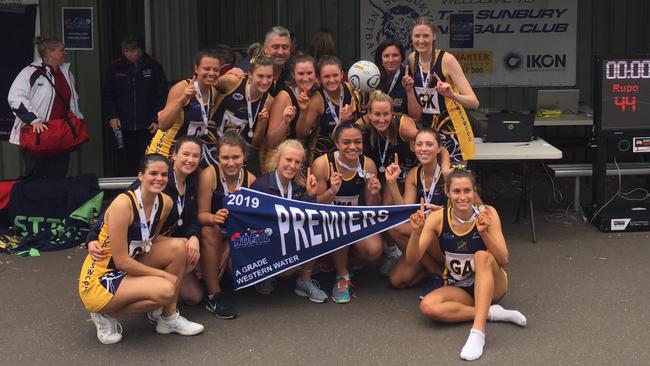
{"x": 422, "y": 204}
{"x": 396, "y": 160}
{"x": 308, "y": 172}
{"x": 437, "y": 77}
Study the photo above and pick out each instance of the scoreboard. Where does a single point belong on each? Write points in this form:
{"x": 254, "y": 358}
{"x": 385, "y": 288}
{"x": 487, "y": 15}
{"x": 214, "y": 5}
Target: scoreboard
{"x": 624, "y": 94}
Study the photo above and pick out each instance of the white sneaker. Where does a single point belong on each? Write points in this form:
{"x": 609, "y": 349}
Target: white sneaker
{"x": 265, "y": 287}
{"x": 391, "y": 256}
{"x": 109, "y": 330}
{"x": 178, "y": 324}
{"x": 154, "y": 316}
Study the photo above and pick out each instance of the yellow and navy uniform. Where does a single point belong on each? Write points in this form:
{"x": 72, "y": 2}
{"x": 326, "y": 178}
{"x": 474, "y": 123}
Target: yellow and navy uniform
{"x": 282, "y": 80}
{"x": 232, "y": 111}
{"x": 397, "y": 92}
{"x": 99, "y": 280}
{"x": 351, "y": 192}
{"x": 293, "y": 93}
{"x": 321, "y": 140}
{"x": 218, "y": 189}
{"x": 444, "y": 115}
{"x": 439, "y": 197}
{"x": 189, "y": 122}
{"x": 459, "y": 250}
{"x": 374, "y": 145}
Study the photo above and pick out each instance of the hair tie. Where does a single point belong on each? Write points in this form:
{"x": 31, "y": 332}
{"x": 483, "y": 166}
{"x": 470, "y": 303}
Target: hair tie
{"x": 460, "y": 166}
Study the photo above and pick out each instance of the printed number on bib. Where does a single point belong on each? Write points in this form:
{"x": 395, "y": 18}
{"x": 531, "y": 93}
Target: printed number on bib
{"x": 428, "y": 99}
{"x": 346, "y": 200}
{"x": 230, "y": 122}
{"x": 196, "y": 128}
{"x": 138, "y": 247}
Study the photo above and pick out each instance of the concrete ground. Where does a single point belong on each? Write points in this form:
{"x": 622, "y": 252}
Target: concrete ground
{"x": 585, "y": 294}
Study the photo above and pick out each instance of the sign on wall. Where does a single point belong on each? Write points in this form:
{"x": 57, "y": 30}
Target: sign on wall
{"x": 78, "y": 28}
{"x": 497, "y": 42}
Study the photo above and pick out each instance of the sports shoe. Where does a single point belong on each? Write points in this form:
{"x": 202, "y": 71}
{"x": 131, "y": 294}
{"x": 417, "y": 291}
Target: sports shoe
{"x": 265, "y": 287}
{"x": 341, "y": 291}
{"x": 109, "y": 330}
{"x": 433, "y": 282}
{"x": 220, "y": 308}
{"x": 310, "y": 289}
{"x": 178, "y": 324}
{"x": 391, "y": 256}
{"x": 154, "y": 316}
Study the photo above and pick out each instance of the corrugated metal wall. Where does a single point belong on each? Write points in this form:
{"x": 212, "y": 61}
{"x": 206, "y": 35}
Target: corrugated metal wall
{"x": 116, "y": 19}
{"x": 604, "y": 26}
{"x": 180, "y": 27}
{"x": 242, "y": 23}
{"x": 174, "y": 35}
{"x": 86, "y": 67}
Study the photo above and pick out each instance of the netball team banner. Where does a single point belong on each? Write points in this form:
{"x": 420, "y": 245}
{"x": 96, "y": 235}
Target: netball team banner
{"x": 269, "y": 235}
{"x": 497, "y": 42}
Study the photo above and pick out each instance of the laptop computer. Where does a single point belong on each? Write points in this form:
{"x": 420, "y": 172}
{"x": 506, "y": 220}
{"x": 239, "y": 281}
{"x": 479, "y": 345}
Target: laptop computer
{"x": 564, "y": 100}
{"x": 510, "y": 127}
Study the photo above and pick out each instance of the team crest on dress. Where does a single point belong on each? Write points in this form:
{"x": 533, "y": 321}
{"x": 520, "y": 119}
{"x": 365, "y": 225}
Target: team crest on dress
{"x": 461, "y": 245}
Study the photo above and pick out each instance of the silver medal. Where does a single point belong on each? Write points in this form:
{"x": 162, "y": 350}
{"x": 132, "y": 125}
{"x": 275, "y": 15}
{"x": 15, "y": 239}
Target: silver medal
{"x": 382, "y": 169}
{"x": 250, "y": 134}
{"x": 180, "y": 222}
{"x": 147, "y": 246}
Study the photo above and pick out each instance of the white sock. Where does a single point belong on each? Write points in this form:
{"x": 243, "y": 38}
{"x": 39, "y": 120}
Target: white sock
{"x": 169, "y": 317}
{"x": 473, "y": 348}
{"x": 498, "y": 314}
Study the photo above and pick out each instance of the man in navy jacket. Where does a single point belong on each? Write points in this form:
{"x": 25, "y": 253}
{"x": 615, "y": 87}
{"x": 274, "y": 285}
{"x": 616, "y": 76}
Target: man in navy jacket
{"x": 134, "y": 91}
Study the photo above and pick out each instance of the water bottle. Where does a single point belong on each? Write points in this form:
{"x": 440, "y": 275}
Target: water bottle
{"x": 119, "y": 139}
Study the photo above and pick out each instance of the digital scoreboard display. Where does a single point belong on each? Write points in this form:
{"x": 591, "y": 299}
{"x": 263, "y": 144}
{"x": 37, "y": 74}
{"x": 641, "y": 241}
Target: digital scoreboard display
{"x": 625, "y": 94}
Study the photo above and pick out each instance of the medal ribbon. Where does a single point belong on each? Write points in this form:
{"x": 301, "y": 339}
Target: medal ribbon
{"x": 428, "y": 195}
{"x": 224, "y": 183}
{"x": 392, "y": 83}
{"x": 146, "y": 229}
{"x": 180, "y": 204}
{"x": 249, "y": 105}
{"x": 204, "y": 110}
{"x": 281, "y": 188}
{"x": 330, "y": 105}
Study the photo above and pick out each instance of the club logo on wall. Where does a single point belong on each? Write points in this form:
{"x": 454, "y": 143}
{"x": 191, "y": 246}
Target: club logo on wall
{"x": 512, "y": 61}
{"x": 390, "y": 19}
